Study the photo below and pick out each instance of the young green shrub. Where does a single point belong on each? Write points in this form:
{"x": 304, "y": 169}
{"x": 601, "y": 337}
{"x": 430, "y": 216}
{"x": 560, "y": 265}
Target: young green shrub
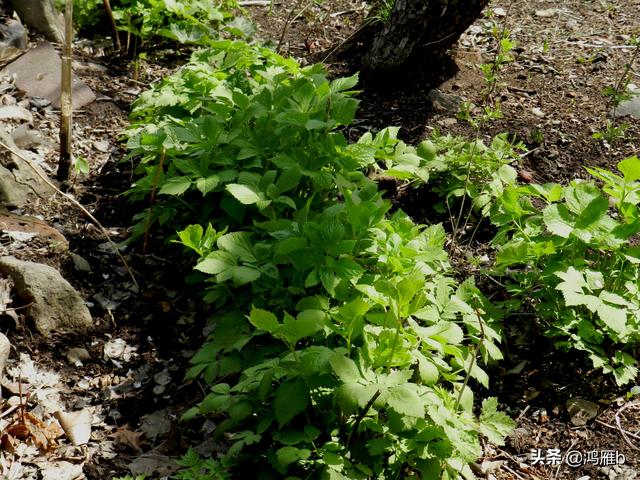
{"x": 576, "y": 261}
{"x": 343, "y": 346}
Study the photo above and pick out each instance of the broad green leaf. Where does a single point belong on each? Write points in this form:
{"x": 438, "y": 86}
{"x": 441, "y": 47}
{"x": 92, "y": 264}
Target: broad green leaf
{"x": 206, "y": 185}
{"x": 429, "y": 373}
{"x": 291, "y": 399}
{"x": 239, "y": 244}
{"x": 288, "y": 180}
{"x": 288, "y": 455}
{"x": 558, "y": 220}
{"x": 630, "y": 168}
{"x": 191, "y": 236}
{"x": 175, "y": 186}
{"x": 615, "y": 318}
{"x": 345, "y": 368}
{"x": 243, "y": 275}
{"x": 245, "y": 194}
{"x": 351, "y": 396}
{"x": 404, "y": 399}
{"x": 216, "y": 262}
{"x": 264, "y": 320}
{"x": 306, "y": 324}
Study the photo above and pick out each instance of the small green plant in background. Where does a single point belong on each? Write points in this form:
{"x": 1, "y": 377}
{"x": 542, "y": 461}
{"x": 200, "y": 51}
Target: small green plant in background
{"x": 196, "y": 22}
{"x": 573, "y": 261}
{"x": 195, "y": 467}
{"x": 616, "y": 94}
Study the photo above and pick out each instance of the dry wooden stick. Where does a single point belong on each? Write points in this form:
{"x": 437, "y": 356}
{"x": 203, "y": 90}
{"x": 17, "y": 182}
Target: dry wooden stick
{"x": 76, "y": 204}
{"x": 116, "y": 35}
{"x": 66, "y": 108}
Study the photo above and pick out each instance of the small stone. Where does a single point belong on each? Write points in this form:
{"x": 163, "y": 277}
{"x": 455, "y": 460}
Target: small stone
{"x": 447, "y": 122}
{"x": 581, "y": 411}
{"x": 15, "y": 112}
{"x": 5, "y": 350}
{"x": 79, "y": 263}
{"x": 102, "y": 146}
{"x": 499, "y": 12}
{"x": 629, "y": 108}
{"x": 537, "y": 112}
{"x": 445, "y": 101}
{"x": 76, "y": 355}
{"x": 54, "y": 305}
{"x": 26, "y": 138}
{"x": 547, "y": 12}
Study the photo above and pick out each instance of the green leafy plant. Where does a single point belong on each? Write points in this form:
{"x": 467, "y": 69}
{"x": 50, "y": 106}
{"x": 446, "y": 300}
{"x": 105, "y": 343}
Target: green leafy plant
{"x": 185, "y": 21}
{"x": 343, "y": 346}
{"x": 578, "y": 266}
{"x": 194, "y": 467}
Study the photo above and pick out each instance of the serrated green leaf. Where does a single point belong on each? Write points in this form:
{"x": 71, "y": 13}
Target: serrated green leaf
{"x": 558, "y": 220}
{"x": 615, "y": 318}
{"x": 191, "y": 236}
{"x": 306, "y": 324}
{"x": 345, "y": 368}
{"x": 404, "y": 399}
{"x": 291, "y": 399}
{"x": 494, "y": 425}
{"x": 239, "y": 244}
{"x": 630, "y": 168}
{"x": 243, "y": 275}
{"x": 264, "y": 320}
{"x": 207, "y": 185}
{"x": 351, "y": 396}
{"x": 175, "y": 186}
{"x": 216, "y": 262}
{"x": 245, "y": 194}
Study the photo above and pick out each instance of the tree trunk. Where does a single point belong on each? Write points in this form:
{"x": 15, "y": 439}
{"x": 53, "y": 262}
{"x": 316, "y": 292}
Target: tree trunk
{"x": 419, "y": 28}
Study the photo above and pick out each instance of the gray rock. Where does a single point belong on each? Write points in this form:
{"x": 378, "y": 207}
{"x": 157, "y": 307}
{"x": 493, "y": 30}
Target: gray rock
{"x": 18, "y": 181}
{"x": 5, "y": 349}
{"x": 629, "y": 107}
{"x": 55, "y": 306}
{"x": 80, "y": 263}
{"x": 445, "y": 101}
{"x": 25, "y": 137}
{"x": 15, "y": 112}
{"x": 581, "y": 411}
{"x": 13, "y": 34}
{"x": 38, "y": 73}
{"x": 42, "y": 16}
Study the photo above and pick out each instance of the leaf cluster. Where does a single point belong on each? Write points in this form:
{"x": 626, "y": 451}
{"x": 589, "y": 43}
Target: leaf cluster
{"x": 342, "y": 340}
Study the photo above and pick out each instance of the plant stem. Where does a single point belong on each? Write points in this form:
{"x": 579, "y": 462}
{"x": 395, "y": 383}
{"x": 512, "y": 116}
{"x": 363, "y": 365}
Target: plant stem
{"x": 66, "y": 108}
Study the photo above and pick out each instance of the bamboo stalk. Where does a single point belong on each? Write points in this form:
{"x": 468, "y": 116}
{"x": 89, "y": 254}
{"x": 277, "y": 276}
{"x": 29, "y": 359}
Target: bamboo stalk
{"x": 66, "y": 108}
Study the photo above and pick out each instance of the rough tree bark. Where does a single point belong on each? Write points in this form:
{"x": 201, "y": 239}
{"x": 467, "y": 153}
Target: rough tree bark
{"x": 418, "y": 28}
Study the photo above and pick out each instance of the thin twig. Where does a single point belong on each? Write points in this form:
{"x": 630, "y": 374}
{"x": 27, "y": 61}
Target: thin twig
{"x": 76, "y": 204}
{"x": 615, "y": 427}
{"x": 361, "y": 415}
{"x": 116, "y": 34}
{"x": 152, "y": 200}
{"x": 472, "y": 363}
{"x": 619, "y": 425}
{"x": 288, "y": 22}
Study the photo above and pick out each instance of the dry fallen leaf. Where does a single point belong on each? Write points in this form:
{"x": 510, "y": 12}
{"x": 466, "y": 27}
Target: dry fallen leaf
{"x": 128, "y": 437}
{"x": 76, "y": 425}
